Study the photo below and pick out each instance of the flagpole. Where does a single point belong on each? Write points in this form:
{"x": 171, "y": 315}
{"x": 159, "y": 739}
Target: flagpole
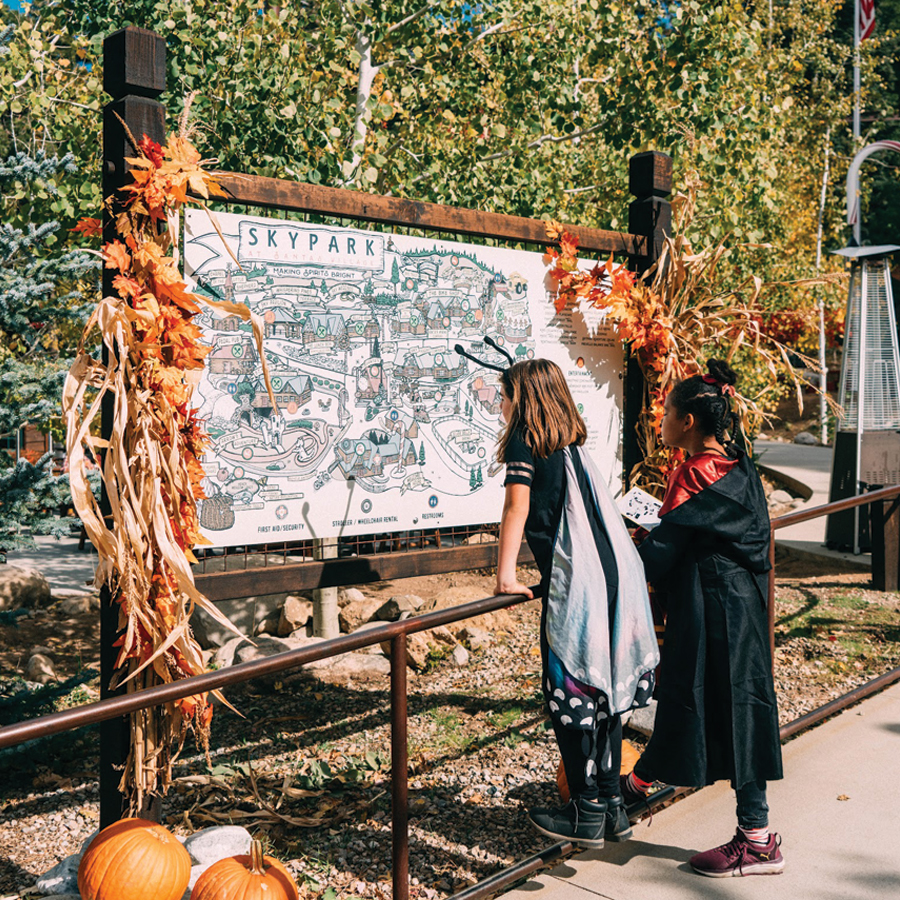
{"x": 856, "y": 79}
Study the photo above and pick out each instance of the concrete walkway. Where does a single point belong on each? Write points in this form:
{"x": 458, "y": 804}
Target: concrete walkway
{"x": 809, "y": 466}
{"x": 68, "y": 570}
{"x": 836, "y": 810}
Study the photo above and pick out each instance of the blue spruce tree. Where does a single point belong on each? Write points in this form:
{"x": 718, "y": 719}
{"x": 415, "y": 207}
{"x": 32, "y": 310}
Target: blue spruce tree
{"x": 43, "y": 306}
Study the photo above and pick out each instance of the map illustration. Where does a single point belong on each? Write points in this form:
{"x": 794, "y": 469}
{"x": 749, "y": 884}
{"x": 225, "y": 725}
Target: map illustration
{"x": 380, "y": 425}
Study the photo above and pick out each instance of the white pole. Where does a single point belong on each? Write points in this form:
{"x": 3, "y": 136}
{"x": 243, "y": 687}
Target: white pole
{"x": 823, "y": 373}
{"x": 860, "y": 390}
{"x": 856, "y": 79}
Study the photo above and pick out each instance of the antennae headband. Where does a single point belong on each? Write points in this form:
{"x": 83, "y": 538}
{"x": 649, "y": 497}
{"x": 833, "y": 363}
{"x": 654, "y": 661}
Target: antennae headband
{"x": 459, "y": 349}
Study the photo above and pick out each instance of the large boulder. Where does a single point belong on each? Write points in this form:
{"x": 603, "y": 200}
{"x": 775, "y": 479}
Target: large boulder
{"x": 209, "y": 845}
{"x": 357, "y": 613}
{"x": 40, "y": 669}
{"x": 349, "y": 595}
{"x": 396, "y": 606}
{"x": 296, "y": 613}
{"x": 493, "y": 622}
{"x": 246, "y": 613}
{"x": 21, "y": 586}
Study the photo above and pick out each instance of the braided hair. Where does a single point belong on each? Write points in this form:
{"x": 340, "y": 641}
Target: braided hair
{"x": 708, "y": 399}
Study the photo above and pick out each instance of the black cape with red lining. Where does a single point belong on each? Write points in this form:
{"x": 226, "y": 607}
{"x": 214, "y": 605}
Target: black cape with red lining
{"x": 717, "y": 716}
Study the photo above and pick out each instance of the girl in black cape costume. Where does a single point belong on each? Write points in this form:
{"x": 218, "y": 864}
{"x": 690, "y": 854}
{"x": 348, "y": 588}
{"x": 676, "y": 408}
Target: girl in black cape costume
{"x": 717, "y": 716}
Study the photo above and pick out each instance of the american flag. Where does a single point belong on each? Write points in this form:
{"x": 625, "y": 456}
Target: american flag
{"x": 866, "y": 18}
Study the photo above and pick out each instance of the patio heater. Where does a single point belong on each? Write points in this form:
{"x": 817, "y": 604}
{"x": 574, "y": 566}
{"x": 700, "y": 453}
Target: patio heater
{"x": 867, "y": 439}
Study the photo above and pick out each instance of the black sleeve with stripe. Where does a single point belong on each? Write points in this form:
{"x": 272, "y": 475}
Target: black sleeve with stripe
{"x": 519, "y": 462}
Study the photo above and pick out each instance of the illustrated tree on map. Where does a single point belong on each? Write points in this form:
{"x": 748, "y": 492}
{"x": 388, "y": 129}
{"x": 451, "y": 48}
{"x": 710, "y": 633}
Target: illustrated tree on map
{"x": 422, "y": 454}
{"x": 473, "y": 480}
{"x": 395, "y": 275}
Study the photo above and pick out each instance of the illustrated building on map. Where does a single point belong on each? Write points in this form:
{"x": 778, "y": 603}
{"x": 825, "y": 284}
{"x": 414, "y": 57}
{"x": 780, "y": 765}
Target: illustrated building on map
{"x": 281, "y": 323}
{"x": 361, "y": 326}
{"x": 409, "y": 321}
{"x": 429, "y": 364}
{"x": 292, "y": 389}
{"x": 369, "y": 379}
{"x": 323, "y": 331}
{"x": 486, "y": 394}
{"x": 362, "y": 457}
{"x": 233, "y": 359}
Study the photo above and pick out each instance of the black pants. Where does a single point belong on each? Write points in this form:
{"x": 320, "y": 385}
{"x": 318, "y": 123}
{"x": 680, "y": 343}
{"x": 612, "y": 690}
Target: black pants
{"x": 592, "y": 759}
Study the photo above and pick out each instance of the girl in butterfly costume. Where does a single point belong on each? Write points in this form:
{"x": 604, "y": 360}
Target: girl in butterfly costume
{"x": 598, "y": 644}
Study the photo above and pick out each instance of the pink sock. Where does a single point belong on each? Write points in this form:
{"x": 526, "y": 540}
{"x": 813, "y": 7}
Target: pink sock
{"x": 758, "y": 836}
{"x": 638, "y": 785}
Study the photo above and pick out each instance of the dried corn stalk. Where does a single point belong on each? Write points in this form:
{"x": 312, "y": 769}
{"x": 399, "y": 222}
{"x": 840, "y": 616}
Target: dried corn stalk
{"x": 150, "y": 464}
{"x": 671, "y": 320}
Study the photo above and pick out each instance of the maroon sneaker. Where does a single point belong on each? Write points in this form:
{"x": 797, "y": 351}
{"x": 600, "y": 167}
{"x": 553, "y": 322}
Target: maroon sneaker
{"x": 740, "y": 857}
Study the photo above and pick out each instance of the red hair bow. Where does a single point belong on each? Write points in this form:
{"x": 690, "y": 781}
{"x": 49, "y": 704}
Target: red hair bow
{"x": 726, "y": 389}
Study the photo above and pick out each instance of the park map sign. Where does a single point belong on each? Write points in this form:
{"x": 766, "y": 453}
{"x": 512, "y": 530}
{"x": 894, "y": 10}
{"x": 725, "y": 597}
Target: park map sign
{"x": 380, "y": 425}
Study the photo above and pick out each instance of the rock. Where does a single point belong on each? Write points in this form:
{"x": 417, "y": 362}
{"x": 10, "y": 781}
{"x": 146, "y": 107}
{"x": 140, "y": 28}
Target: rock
{"x": 780, "y": 497}
{"x": 61, "y": 879}
{"x": 402, "y": 603}
{"x": 417, "y": 650}
{"x": 21, "y": 586}
{"x": 642, "y": 720}
{"x": 358, "y": 665}
{"x": 493, "y": 622}
{"x": 373, "y": 649}
{"x": 269, "y": 624}
{"x": 78, "y": 606}
{"x": 224, "y": 656}
{"x": 245, "y": 613}
{"x": 264, "y": 646}
{"x": 460, "y": 656}
{"x": 349, "y": 595}
{"x": 295, "y": 614}
{"x": 481, "y": 537}
{"x": 40, "y": 669}
{"x": 357, "y": 612}
{"x": 805, "y": 437}
{"x": 477, "y": 638}
{"x": 217, "y": 842}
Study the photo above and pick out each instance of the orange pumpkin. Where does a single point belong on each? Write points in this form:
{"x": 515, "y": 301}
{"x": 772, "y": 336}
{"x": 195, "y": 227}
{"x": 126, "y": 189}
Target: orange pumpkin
{"x": 134, "y": 859}
{"x": 630, "y": 756}
{"x": 253, "y": 877}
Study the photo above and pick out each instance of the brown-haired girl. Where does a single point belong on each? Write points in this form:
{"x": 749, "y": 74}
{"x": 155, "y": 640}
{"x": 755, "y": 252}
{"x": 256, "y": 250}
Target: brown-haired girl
{"x": 717, "y": 717}
{"x": 598, "y": 644}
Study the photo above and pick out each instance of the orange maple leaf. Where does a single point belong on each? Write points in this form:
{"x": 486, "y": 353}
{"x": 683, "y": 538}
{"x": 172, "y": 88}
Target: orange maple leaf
{"x": 88, "y": 227}
{"x": 117, "y": 256}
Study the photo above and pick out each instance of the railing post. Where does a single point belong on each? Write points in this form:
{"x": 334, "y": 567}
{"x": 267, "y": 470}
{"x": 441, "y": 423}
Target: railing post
{"x": 134, "y": 74}
{"x": 649, "y": 215}
{"x": 884, "y": 520}
{"x": 399, "y": 771}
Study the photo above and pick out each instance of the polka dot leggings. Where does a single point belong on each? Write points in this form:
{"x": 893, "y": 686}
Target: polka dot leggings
{"x": 592, "y": 757}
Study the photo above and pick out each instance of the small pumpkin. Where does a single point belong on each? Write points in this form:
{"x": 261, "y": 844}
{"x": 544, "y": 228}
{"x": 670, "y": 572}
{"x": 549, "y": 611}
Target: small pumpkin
{"x": 630, "y": 756}
{"x": 253, "y": 877}
{"x": 134, "y": 859}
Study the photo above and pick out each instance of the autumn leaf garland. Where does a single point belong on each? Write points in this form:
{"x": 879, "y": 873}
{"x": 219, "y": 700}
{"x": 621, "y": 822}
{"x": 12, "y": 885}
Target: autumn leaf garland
{"x": 150, "y": 465}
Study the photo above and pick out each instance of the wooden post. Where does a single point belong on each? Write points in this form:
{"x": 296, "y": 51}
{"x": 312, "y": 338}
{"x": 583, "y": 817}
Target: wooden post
{"x": 134, "y": 74}
{"x": 649, "y": 215}
{"x": 884, "y": 519}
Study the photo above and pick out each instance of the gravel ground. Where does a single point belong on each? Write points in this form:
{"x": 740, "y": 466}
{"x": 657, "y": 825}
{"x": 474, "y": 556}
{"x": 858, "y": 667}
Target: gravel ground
{"x": 308, "y": 768}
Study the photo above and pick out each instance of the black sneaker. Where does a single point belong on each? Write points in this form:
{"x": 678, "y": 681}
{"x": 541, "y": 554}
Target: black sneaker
{"x": 618, "y": 828}
{"x": 580, "y": 821}
{"x": 636, "y": 802}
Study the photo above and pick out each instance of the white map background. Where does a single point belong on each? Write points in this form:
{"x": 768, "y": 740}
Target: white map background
{"x": 381, "y": 425}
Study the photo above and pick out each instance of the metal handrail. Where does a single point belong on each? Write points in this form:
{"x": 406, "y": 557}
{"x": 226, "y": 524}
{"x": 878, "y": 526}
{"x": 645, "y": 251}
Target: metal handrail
{"x": 111, "y": 707}
{"x": 396, "y": 633}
